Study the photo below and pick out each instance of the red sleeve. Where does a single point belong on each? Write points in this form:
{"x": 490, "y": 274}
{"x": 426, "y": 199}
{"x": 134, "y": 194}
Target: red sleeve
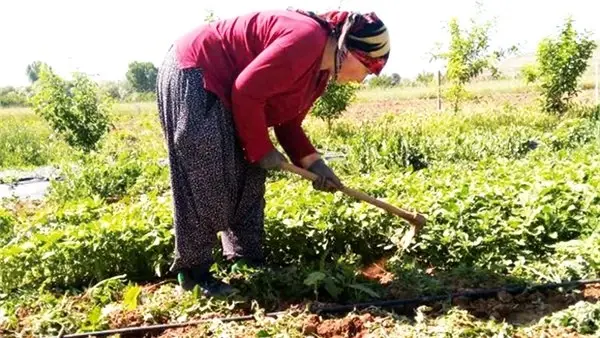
{"x": 293, "y": 139}
{"x": 272, "y": 72}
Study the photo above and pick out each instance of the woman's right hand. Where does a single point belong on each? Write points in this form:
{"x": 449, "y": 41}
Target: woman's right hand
{"x": 327, "y": 181}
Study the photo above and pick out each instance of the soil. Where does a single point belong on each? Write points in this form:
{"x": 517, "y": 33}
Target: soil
{"x": 516, "y": 309}
{"x": 184, "y": 332}
{"x": 125, "y": 318}
{"x": 351, "y": 326}
{"x": 554, "y": 333}
{"x": 592, "y": 292}
{"x": 372, "y": 109}
{"x": 526, "y": 308}
{"x": 377, "y": 271}
{"x": 520, "y": 309}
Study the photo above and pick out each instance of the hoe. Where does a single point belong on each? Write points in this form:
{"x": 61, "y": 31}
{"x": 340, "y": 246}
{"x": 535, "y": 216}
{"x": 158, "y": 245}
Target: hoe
{"x": 416, "y": 220}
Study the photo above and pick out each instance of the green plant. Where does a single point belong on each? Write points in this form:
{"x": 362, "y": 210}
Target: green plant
{"x": 582, "y": 317}
{"x": 6, "y": 226}
{"x": 132, "y": 239}
{"x": 26, "y": 141}
{"x": 334, "y": 102}
{"x": 529, "y": 73}
{"x": 467, "y": 57}
{"x": 425, "y": 78}
{"x": 561, "y": 62}
{"x": 11, "y": 97}
{"x": 107, "y": 176}
{"x": 74, "y": 109}
{"x": 384, "y": 81}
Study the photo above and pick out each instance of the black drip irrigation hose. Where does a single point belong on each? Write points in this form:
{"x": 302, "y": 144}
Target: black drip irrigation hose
{"x": 485, "y": 293}
{"x": 480, "y": 294}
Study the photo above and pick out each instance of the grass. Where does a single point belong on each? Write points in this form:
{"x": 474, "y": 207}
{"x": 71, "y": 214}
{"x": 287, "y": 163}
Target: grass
{"x": 477, "y": 88}
{"x": 27, "y": 142}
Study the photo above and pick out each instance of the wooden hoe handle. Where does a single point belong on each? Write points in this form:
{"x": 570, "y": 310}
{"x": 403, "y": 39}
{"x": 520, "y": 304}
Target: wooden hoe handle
{"x": 414, "y": 218}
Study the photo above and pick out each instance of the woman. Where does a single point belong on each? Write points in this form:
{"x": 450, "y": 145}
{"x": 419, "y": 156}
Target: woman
{"x": 219, "y": 89}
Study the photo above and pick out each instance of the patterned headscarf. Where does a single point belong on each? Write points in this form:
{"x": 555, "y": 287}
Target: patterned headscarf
{"x": 363, "y": 35}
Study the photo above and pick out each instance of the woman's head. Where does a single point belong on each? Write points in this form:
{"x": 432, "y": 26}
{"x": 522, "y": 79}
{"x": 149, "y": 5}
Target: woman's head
{"x": 362, "y": 41}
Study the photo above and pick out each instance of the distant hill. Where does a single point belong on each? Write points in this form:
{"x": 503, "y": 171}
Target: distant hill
{"x": 512, "y": 65}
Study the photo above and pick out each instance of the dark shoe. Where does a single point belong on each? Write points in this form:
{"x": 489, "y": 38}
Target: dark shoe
{"x": 185, "y": 280}
{"x": 208, "y": 285}
{"x": 214, "y": 287}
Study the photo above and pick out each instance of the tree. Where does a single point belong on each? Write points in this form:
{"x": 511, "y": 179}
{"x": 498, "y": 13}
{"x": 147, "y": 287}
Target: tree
{"x": 424, "y": 78}
{"x": 383, "y": 81}
{"x": 334, "y": 102}
{"x": 561, "y": 61}
{"x": 76, "y": 109}
{"x": 10, "y": 96}
{"x": 467, "y": 57}
{"x": 114, "y": 90}
{"x": 33, "y": 70}
{"x": 142, "y": 76}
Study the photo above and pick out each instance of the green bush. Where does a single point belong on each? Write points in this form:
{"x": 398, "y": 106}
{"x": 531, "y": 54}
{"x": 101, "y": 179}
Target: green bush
{"x": 26, "y": 141}
{"x": 6, "y": 226}
{"x": 107, "y": 176}
{"x": 334, "y": 102}
{"x": 491, "y": 218}
{"x": 571, "y": 260}
{"x": 76, "y": 110}
{"x": 529, "y": 73}
{"x": 561, "y": 62}
{"x": 410, "y": 141}
{"x": 425, "y": 78}
{"x": 11, "y": 97}
{"x": 23, "y": 144}
{"x": 384, "y": 81}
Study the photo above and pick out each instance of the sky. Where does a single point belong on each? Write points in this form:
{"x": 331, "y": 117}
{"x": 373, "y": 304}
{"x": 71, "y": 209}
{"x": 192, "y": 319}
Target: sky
{"x": 100, "y": 38}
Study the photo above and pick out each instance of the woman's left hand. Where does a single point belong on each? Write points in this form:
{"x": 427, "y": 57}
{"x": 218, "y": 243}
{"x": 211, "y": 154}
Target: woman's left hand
{"x": 272, "y": 160}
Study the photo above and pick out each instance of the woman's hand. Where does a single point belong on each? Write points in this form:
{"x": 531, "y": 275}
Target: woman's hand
{"x": 327, "y": 181}
{"x": 272, "y": 160}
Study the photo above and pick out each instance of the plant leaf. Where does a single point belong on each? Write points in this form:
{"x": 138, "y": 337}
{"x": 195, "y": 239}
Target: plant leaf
{"x": 314, "y": 278}
{"x": 365, "y": 289}
{"x": 130, "y": 297}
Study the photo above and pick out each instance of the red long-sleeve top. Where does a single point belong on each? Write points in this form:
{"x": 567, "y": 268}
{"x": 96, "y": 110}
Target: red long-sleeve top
{"x": 265, "y": 68}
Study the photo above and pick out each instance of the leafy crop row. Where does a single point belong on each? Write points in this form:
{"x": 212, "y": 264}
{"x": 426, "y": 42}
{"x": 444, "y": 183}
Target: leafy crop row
{"x": 493, "y": 218}
{"x": 497, "y": 206}
{"x": 417, "y": 142}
